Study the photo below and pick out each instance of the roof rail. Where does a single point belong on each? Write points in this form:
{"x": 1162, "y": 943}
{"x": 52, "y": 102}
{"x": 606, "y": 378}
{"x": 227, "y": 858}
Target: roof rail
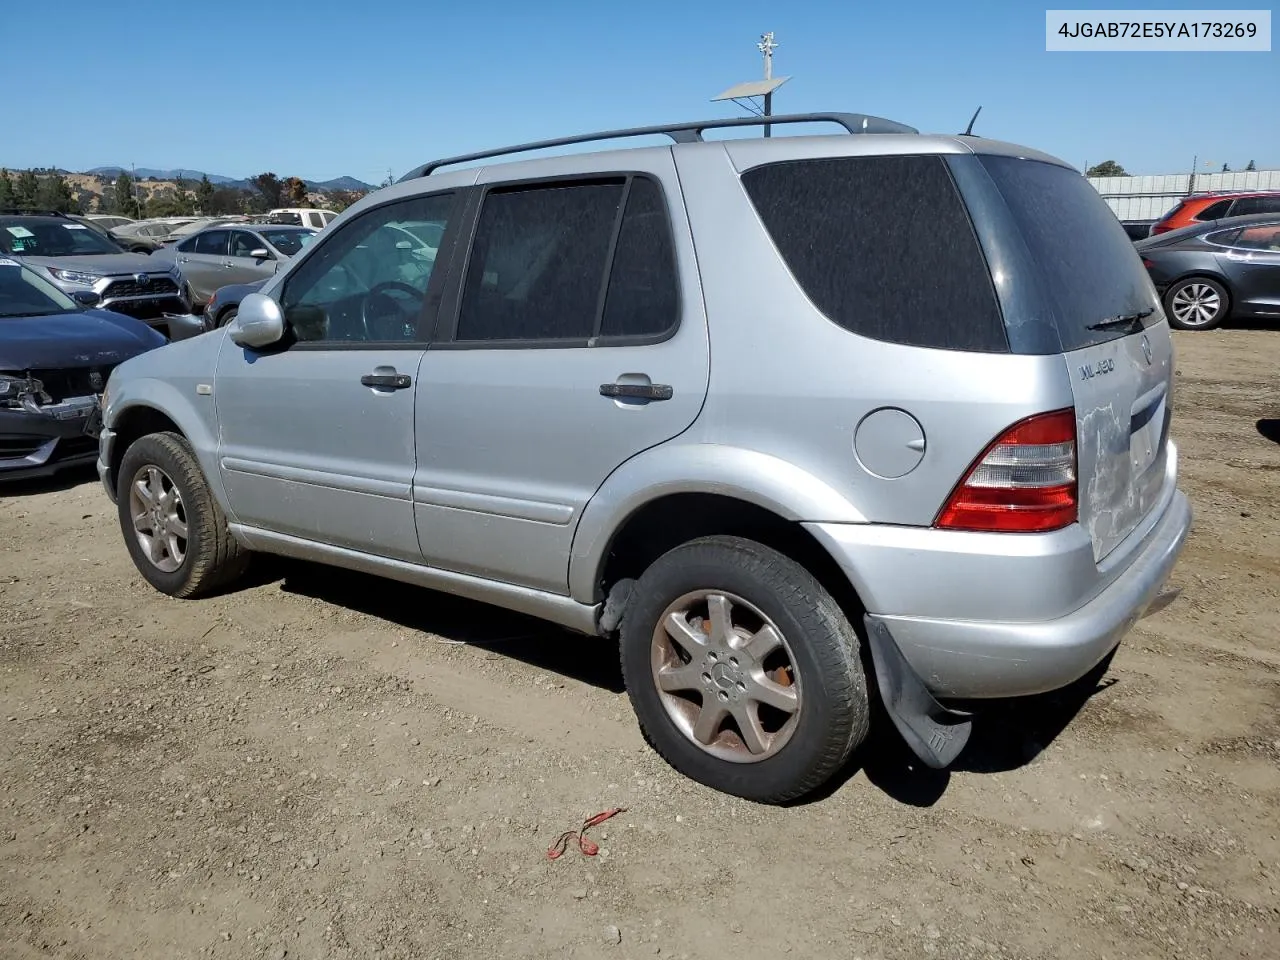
{"x": 678, "y": 132}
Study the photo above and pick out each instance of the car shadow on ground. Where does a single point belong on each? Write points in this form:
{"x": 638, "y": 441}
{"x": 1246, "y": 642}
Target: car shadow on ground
{"x": 1006, "y": 734}
{"x": 63, "y": 480}
{"x": 454, "y": 619}
{"x": 1269, "y": 428}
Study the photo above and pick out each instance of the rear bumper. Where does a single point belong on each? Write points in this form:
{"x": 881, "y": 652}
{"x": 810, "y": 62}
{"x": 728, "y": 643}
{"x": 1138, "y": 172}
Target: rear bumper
{"x": 997, "y": 655}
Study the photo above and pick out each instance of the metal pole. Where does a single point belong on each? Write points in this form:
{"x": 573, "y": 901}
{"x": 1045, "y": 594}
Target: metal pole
{"x": 766, "y": 46}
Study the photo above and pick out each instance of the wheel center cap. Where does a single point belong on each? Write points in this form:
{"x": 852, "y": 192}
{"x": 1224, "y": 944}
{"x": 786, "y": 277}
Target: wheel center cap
{"x": 724, "y": 675}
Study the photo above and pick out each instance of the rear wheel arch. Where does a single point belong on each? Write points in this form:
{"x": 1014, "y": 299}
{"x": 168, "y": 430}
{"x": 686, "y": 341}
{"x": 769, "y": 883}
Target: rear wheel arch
{"x": 666, "y": 522}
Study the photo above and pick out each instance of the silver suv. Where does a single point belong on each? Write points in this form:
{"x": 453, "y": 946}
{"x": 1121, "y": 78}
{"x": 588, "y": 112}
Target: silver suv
{"x": 794, "y": 418}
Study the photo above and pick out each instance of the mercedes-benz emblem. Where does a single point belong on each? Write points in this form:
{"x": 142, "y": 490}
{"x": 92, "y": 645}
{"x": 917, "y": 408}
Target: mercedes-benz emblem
{"x": 1146, "y": 348}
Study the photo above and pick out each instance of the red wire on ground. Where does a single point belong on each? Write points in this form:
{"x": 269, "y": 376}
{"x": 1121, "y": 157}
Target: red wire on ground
{"x": 588, "y": 848}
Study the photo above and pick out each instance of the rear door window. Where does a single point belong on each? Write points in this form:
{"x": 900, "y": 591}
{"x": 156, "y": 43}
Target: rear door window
{"x": 1084, "y": 263}
{"x": 1247, "y": 205}
{"x": 884, "y": 247}
{"x": 538, "y": 262}
{"x": 212, "y": 243}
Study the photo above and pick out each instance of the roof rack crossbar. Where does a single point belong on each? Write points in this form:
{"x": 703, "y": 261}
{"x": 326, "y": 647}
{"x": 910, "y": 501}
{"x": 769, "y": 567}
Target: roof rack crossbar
{"x": 678, "y": 132}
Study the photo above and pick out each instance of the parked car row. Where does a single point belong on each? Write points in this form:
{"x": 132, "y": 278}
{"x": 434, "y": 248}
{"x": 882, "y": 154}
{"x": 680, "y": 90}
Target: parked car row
{"x": 1209, "y": 272}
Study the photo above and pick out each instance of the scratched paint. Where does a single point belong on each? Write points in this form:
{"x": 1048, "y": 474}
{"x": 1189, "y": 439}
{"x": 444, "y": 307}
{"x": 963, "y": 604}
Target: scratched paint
{"x": 1121, "y": 413}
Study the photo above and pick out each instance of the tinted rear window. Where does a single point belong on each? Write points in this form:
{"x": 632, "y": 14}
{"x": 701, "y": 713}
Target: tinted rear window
{"x": 883, "y": 246}
{"x": 1085, "y": 264}
{"x": 1249, "y": 205}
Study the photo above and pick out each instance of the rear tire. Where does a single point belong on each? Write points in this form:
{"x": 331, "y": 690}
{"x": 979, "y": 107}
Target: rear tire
{"x": 227, "y": 316}
{"x": 173, "y": 527}
{"x": 799, "y": 690}
{"x": 1196, "y": 303}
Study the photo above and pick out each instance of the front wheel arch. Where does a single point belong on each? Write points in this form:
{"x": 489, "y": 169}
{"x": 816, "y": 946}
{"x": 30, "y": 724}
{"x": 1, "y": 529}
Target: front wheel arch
{"x": 132, "y": 425}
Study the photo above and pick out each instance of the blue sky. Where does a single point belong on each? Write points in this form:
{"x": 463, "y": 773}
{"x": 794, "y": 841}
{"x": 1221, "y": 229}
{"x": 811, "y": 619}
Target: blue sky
{"x": 323, "y": 88}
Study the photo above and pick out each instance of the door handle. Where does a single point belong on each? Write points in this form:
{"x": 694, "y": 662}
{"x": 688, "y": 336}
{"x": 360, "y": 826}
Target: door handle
{"x": 387, "y": 381}
{"x": 637, "y": 391}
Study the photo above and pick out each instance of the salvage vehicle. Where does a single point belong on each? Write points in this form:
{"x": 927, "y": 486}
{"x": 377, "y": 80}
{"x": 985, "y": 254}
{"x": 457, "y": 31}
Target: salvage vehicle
{"x": 55, "y": 357}
{"x": 76, "y": 259}
{"x": 230, "y": 253}
{"x": 797, "y": 420}
{"x": 1213, "y": 271}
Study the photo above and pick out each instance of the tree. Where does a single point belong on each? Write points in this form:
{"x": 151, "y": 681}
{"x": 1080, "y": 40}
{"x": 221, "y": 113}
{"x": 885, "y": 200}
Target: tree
{"x": 26, "y": 189}
{"x": 224, "y": 201}
{"x": 295, "y": 193}
{"x": 54, "y": 193}
{"x": 1226, "y": 168}
{"x": 7, "y": 200}
{"x": 126, "y": 203}
{"x": 204, "y": 195}
{"x": 271, "y": 190}
{"x": 183, "y": 198}
{"x": 1107, "y": 168}
{"x": 339, "y": 200}
{"x": 1251, "y": 166}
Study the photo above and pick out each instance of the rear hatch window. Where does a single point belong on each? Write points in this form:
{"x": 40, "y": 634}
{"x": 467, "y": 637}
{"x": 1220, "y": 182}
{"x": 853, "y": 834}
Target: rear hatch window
{"x": 1085, "y": 264}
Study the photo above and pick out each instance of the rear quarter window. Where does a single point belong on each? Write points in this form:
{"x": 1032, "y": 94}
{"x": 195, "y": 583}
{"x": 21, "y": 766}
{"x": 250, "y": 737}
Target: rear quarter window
{"x": 1214, "y": 211}
{"x": 884, "y": 247}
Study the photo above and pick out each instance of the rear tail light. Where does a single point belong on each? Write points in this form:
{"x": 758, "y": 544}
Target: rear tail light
{"x": 1025, "y": 482}
{"x": 1148, "y": 263}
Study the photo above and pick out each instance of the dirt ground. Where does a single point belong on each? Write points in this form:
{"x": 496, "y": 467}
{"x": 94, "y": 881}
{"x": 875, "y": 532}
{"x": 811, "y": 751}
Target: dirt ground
{"x": 323, "y": 765}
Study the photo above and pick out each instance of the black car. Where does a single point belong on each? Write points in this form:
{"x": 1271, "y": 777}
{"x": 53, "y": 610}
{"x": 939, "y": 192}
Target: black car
{"x": 55, "y": 357}
{"x": 1211, "y": 271}
{"x": 225, "y": 303}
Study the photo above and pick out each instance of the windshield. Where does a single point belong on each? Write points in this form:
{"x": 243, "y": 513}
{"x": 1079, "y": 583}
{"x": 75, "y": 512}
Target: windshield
{"x": 1085, "y": 260}
{"x": 54, "y": 238}
{"x": 25, "y": 294}
{"x": 288, "y": 242}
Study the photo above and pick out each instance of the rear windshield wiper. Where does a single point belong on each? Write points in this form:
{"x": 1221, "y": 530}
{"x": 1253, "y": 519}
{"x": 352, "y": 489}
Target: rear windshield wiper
{"x": 1124, "y": 320}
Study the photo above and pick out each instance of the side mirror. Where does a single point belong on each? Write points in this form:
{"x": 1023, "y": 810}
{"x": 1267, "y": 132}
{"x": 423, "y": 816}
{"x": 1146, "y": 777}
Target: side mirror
{"x": 261, "y": 253}
{"x": 259, "y": 323}
{"x": 86, "y": 298}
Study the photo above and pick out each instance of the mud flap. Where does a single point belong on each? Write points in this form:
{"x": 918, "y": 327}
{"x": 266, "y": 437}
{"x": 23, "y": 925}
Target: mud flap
{"x": 935, "y": 734}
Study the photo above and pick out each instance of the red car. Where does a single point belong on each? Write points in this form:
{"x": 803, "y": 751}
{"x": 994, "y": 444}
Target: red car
{"x": 1202, "y": 207}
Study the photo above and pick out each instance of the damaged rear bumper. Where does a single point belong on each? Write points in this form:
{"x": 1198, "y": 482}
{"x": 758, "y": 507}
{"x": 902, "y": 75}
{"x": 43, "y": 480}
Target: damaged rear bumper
{"x": 57, "y": 437}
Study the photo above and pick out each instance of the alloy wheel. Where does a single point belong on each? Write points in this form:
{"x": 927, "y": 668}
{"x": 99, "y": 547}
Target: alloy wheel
{"x": 159, "y": 518}
{"x": 1196, "y": 304}
{"x": 726, "y": 676}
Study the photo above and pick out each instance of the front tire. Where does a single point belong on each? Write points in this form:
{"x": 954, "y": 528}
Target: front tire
{"x": 175, "y": 531}
{"x": 743, "y": 671}
{"x": 1196, "y": 303}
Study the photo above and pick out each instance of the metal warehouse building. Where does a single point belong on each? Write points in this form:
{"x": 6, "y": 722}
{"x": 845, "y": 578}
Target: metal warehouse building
{"x": 1149, "y": 198}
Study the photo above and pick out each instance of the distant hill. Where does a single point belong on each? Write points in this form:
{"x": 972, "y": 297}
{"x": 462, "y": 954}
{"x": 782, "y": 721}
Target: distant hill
{"x": 340, "y": 183}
